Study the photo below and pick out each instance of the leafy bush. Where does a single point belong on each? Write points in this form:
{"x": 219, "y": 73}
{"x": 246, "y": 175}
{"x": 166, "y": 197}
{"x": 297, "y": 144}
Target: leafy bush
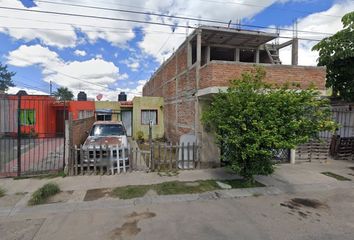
{"x": 42, "y": 194}
{"x": 140, "y": 136}
{"x": 252, "y": 119}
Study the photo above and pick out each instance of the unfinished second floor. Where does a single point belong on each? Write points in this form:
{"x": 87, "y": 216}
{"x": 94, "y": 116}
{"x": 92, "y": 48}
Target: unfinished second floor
{"x": 212, "y": 56}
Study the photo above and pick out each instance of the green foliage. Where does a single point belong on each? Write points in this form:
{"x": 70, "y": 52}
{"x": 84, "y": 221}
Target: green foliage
{"x": 2, "y": 192}
{"x": 140, "y": 136}
{"x": 337, "y": 54}
{"x": 5, "y": 78}
{"x": 42, "y": 194}
{"x": 252, "y": 119}
{"x": 63, "y": 94}
{"x": 129, "y": 192}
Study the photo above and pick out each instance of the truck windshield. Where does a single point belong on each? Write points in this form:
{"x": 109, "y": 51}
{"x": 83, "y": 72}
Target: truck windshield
{"x": 107, "y": 130}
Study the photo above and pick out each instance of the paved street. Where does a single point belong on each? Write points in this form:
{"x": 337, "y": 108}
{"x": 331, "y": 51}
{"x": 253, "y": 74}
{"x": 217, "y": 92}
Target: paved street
{"x": 298, "y": 203}
{"x": 330, "y": 215}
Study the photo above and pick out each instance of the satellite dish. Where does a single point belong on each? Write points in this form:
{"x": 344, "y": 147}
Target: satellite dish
{"x": 99, "y": 97}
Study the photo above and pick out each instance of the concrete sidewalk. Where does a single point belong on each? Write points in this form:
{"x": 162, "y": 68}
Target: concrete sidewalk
{"x": 284, "y": 175}
{"x": 92, "y": 182}
{"x": 298, "y": 178}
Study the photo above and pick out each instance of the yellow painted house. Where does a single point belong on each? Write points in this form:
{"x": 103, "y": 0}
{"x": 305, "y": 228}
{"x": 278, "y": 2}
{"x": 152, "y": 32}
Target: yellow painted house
{"x": 136, "y": 115}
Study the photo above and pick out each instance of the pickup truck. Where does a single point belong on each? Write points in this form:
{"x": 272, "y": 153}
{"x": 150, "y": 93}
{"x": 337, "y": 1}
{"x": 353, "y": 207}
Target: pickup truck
{"x": 103, "y": 136}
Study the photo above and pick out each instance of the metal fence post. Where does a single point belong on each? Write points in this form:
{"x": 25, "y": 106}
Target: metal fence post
{"x": 19, "y": 135}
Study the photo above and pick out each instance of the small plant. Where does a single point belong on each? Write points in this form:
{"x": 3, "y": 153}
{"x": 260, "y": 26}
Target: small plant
{"x": 140, "y": 136}
{"x": 129, "y": 192}
{"x": 42, "y": 194}
{"x": 2, "y": 192}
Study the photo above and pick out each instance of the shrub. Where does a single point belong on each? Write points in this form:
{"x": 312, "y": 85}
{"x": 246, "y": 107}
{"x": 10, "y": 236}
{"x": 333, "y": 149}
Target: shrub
{"x": 42, "y": 194}
{"x": 252, "y": 119}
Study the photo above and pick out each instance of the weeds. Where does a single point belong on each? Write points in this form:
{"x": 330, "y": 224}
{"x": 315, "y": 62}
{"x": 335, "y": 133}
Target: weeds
{"x": 42, "y": 194}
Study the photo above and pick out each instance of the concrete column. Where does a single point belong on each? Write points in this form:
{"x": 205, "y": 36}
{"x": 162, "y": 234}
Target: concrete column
{"x": 237, "y": 54}
{"x": 294, "y": 51}
{"x": 189, "y": 53}
{"x": 292, "y": 156}
{"x": 197, "y": 127}
{"x": 208, "y": 54}
{"x": 257, "y": 56}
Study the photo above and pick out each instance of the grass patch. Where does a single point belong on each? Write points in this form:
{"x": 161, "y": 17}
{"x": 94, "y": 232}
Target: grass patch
{"x": 43, "y": 176}
{"x": 177, "y": 187}
{"x": 133, "y": 191}
{"x": 2, "y": 192}
{"x": 240, "y": 183}
{"x": 42, "y": 194}
{"x": 336, "y": 176}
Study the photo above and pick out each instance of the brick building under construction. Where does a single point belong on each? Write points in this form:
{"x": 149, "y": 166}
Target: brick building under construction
{"x": 205, "y": 63}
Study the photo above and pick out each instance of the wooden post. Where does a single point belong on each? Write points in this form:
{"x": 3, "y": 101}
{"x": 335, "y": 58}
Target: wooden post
{"x": 123, "y": 157}
{"x": 94, "y": 160}
{"x": 176, "y": 156}
{"x": 170, "y": 166}
{"x": 75, "y": 160}
{"x": 188, "y": 156}
{"x": 159, "y": 157}
{"x": 193, "y": 156}
{"x": 101, "y": 163}
{"x": 111, "y": 160}
{"x": 117, "y": 159}
{"x": 81, "y": 161}
{"x": 165, "y": 157}
{"x": 182, "y": 155}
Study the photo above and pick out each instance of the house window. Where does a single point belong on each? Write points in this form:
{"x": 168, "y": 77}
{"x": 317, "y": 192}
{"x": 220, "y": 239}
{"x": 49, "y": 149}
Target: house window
{"x": 147, "y": 116}
{"x": 85, "y": 114}
{"x": 28, "y": 117}
{"x": 104, "y": 117}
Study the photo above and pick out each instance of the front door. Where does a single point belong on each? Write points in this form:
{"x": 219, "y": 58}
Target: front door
{"x": 127, "y": 122}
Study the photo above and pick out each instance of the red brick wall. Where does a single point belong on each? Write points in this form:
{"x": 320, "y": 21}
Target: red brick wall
{"x": 216, "y": 73}
{"x": 220, "y": 74}
{"x": 77, "y": 130}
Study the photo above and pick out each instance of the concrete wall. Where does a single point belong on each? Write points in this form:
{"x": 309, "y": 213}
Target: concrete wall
{"x": 148, "y": 103}
{"x": 114, "y": 105}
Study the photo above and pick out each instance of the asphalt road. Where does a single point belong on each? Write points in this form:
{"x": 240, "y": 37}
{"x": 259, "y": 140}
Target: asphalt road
{"x": 312, "y": 215}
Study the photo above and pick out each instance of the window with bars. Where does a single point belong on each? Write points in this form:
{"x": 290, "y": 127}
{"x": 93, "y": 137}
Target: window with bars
{"x": 149, "y": 115}
{"x": 85, "y": 114}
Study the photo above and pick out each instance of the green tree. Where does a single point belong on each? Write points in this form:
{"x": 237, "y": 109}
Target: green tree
{"x": 5, "y": 78}
{"x": 252, "y": 119}
{"x": 63, "y": 94}
{"x": 337, "y": 54}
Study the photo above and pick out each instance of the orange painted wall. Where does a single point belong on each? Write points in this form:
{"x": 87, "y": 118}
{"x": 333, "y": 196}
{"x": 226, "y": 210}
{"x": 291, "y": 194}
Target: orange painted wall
{"x": 76, "y": 106}
{"x": 45, "y": 114}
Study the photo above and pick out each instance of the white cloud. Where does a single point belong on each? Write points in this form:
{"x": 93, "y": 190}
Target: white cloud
{"x": 60, "y": 31}
{"x": 93, "y": 76}
{"x": 14, "y": 90}
{"x": 317, "y": 22}
{"x": 81, "y": 53}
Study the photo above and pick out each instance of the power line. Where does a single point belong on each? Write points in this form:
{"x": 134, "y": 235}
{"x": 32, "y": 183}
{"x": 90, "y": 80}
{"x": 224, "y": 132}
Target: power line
{"x": 72, "y": 77}
{"x": 146, "y": 22}
{"x": 224, "y": 3}
{"x": 264, "y": 6}
{"x": 79, "y": 26}
{"x": 91, "y": 16}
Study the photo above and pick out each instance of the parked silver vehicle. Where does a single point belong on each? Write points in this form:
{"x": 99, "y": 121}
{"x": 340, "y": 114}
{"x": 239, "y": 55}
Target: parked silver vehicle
{"x": 106, "y": 139}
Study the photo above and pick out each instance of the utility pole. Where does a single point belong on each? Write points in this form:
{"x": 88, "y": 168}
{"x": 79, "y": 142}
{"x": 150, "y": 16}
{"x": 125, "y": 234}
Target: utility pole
{"x": 50, "y": 88}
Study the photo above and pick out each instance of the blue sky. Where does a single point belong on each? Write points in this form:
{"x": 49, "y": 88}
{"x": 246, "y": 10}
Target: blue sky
{"x": 101, "y": 56}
